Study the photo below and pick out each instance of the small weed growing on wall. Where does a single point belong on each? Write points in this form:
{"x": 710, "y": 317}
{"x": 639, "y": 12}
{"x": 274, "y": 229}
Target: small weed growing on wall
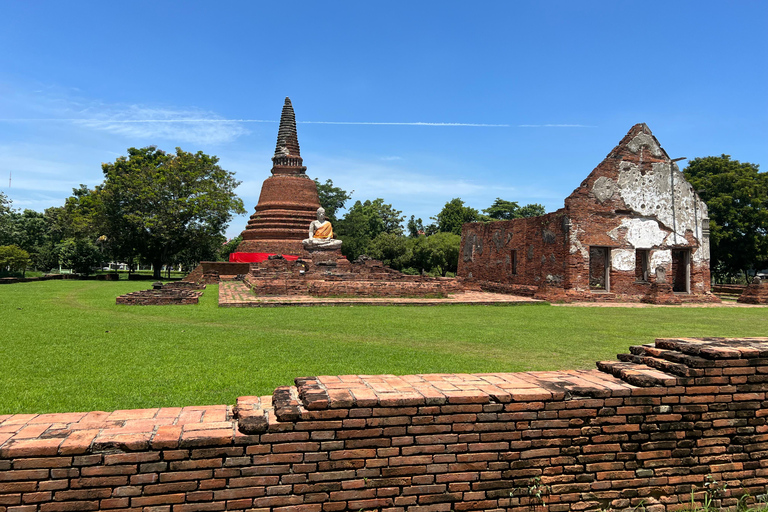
{"x": 713, "y": 492}
{"x": 536, "y": 492}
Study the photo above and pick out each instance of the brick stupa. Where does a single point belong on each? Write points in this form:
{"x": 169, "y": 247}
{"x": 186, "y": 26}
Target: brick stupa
{"x": 288, "y": 202}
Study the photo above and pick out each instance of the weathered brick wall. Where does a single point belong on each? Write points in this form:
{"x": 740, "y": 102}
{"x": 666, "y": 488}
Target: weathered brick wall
{"x": 646, "y": 430}
{"x": 519, "y": 254}
{"x": 360, "y": 279}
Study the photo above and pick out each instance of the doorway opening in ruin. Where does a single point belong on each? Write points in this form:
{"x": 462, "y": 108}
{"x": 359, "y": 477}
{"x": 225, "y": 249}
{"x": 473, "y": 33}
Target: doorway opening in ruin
{"x": 599, "y": 269}
{"x": 513, "y": 262}
{"x": 681, "y": 270}
{"x": 642, "y": 258}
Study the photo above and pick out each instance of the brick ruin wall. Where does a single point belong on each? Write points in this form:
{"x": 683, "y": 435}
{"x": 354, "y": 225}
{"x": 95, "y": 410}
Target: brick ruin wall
{"x": 515, "y": 256}
{"x": 175, "y": 293}
{"x": 369, "y": 278}
{"x": 647, "y": 430}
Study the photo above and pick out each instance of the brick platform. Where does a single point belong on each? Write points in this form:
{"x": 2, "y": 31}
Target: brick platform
{"x": 235, "y": 294}
{"x": 643, "y": 431}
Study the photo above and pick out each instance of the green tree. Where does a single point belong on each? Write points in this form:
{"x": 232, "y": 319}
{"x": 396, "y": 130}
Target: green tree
{"x": 331, "y": 198}
{"x": 363, "y": 222}
{"x": 79, "y": 254}
{"x": 438, "y": 253}
{"x": 736, "y": 195}
{"x": 6, "y": 220}
{"x": 228, "y": 248}
{"x": 13, "y": 259}
{"x": 391, "y": 249}
{"x": 157, "y": 204}
{"x": 454, "y": 215}
{"x": 507, "y": 210}
{"x": 415, "y": 227}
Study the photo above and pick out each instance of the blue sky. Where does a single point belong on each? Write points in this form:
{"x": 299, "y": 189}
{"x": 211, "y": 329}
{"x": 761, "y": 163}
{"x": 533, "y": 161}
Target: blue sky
{"x": 561, "y": 82}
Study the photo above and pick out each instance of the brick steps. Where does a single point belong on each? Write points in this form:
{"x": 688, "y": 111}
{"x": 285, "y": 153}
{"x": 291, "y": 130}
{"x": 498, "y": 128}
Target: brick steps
{"x": 636, "y": 374}
{"x": 686, "y": 361}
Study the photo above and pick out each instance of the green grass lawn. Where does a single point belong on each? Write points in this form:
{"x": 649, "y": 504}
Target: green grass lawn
{"x": 66, "y": 345}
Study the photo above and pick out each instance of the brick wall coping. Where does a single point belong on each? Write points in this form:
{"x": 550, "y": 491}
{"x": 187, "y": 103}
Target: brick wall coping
{"x": 316, "y": 398}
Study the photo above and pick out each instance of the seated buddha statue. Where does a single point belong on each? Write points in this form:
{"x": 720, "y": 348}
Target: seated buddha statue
{"x": 321, "y": 233}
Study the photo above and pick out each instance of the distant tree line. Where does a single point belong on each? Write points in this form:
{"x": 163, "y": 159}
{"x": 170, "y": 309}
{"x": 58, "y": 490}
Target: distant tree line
{"x": 375, "y": 229}
{"x": 153, "y": 207}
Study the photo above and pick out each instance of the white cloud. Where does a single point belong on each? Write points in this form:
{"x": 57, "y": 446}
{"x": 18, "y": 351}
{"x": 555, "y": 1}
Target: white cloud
{"x": 184, "y": 125}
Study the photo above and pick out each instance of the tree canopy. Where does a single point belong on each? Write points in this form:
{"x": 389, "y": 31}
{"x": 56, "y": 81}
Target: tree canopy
{"x": 454, "y": 215}
{"x": 158, "y": 204}
{"x": 508, "y": 210}
{"x": 332, "y": 198}
{"x": 363, "y": 222}
{"x": 736, "y": 195}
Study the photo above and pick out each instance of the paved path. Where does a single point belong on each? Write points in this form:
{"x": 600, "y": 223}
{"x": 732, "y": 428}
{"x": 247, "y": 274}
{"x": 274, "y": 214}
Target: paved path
{"x": 236, "y": 294}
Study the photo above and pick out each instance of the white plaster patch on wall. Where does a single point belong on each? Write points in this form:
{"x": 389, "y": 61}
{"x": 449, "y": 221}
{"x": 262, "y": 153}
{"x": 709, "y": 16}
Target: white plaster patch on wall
{"x": 603, "y": 188}
{"x": 651, "y": 194}
{"x": 662, "y": 257}
{"x": 576, "y": 245}
{"x": 675, "y": 239}
{"x": 623, "y": 259}
{"x": 641, "y": 233}
{"x": 643, "y": 139}
{"x": 702, "y": 253}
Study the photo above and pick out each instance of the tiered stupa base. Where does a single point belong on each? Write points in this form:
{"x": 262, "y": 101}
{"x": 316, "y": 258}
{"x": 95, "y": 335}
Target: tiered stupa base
{"x": 284, "y": 247}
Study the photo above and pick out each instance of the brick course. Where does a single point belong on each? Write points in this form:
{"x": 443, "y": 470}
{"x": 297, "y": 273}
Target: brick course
{"x": 649, "y": 428}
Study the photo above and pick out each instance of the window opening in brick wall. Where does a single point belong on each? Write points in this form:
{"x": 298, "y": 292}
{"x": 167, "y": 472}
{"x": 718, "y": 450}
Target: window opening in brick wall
{"x": 642, "y": 257}
{"x": 681, "y": 270}
{"x": 513, "y": 262}
{"x": 599, "y": 269}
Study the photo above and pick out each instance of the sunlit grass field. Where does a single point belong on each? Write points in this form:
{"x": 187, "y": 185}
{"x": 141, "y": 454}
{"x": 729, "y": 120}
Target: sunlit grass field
{"x": 66, "y": 345}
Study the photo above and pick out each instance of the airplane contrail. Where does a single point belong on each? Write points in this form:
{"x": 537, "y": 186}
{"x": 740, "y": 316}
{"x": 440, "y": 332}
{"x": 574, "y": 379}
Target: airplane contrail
{"x": 374, "y": 123}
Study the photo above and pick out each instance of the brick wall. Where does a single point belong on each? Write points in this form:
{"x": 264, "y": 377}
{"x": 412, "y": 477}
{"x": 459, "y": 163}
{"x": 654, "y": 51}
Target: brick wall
{"x": 647, "y": 429}
{"x": 517, "y": 254}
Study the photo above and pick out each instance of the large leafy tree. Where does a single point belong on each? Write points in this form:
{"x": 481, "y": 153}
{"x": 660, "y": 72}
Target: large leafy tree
{"x": 13, "y": 259}
{"x": 438, "y": 253}
{"x": 332, "y": 198}
{"x": 6, "y": 220}
{"x": 364, "y": 222}
{"x": 736, "y": 195}
{"x": 393, "y": 250}
{"x": 454, "y": 215}
{"x": 507, "y": 210}
{"x": 158, "y": 204}
{"x": 30, "y": 231}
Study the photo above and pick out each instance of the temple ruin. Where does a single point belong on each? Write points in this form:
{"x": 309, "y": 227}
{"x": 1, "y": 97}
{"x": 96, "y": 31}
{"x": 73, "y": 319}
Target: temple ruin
{"x": 633, "y": 230}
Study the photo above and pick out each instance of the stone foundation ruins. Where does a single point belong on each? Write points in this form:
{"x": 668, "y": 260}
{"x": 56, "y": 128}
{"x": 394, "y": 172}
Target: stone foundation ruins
{"x": 364, "y": 278}
{"x": 647, "y": 432}
{"x": 633, "y": 230}
{"x": 164, "y": 295}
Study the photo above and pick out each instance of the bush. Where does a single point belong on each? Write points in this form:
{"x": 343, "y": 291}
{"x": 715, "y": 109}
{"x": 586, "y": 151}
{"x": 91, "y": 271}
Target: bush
{"x": 13, "y": 258}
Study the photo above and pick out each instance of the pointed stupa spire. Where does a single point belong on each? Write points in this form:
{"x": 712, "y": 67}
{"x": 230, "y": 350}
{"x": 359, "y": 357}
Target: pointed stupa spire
{"x": 287, "y": 159}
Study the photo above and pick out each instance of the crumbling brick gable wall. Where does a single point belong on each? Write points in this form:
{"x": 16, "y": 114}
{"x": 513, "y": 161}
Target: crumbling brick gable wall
{"x": 635, "y": 200}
